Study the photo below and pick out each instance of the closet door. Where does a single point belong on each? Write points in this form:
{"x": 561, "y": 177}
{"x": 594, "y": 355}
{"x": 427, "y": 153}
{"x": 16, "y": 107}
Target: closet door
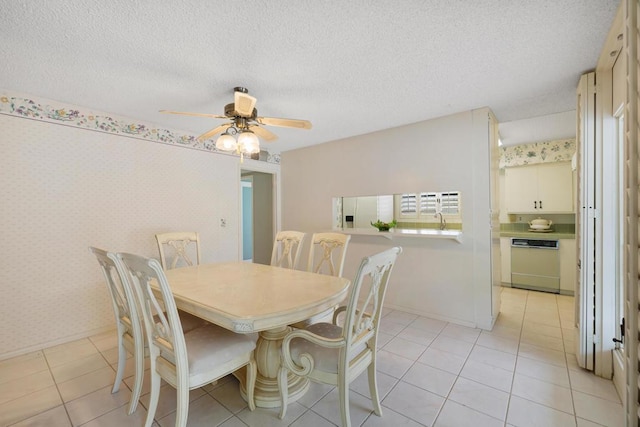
{"x": 585, "y": 222}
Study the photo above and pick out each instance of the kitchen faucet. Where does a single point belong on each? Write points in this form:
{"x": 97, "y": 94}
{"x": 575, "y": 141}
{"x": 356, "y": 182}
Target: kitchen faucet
{"x": 443, "y": 222}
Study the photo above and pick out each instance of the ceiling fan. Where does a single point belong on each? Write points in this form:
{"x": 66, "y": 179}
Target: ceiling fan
{"x": 245, "y": 122}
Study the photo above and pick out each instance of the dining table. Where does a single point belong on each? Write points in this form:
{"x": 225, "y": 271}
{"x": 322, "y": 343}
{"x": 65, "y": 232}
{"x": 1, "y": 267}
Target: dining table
{"x": 249, "y": 298}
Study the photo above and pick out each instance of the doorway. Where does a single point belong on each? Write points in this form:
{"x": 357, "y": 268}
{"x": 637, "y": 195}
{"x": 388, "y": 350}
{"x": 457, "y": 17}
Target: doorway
{"x": 258, "y": 215}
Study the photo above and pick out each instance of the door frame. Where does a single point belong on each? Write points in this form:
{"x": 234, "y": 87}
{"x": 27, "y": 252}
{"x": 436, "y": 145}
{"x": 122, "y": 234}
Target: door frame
{"x": 268, "y": 168}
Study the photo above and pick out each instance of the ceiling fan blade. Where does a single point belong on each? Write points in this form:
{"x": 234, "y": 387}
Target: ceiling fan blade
{"x": 214, "y": 131}
{"x": 286, "y": 123}
{"x": 183, "y": 113}
{"x": 263, "y": 133}
{"x": 244, "y": 104}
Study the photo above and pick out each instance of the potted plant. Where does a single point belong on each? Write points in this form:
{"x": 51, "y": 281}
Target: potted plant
{"x": 384, "y": 226}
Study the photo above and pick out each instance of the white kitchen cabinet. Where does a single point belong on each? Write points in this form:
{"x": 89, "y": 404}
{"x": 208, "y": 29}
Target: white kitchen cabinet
{"x": 505, "y": 255}
{"x": 540, "y": 188}
{"x": 568, "y": 262}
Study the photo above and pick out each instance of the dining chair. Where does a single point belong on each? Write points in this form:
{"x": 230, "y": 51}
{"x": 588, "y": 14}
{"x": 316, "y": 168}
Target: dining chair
{"x": 129, "y": 324}
{"x": 178, "y": 247}
{"x": 287, "y": 248}
{"x": 331, "y": 354}
{"x": 185, "y": 360}
{"x": 129, "y": 328}
{"x": 327, "y": 253}
{"x": 326, "y": 256}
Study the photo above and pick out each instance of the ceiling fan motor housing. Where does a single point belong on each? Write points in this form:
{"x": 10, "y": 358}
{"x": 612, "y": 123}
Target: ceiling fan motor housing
{"x": 230, "y": 111}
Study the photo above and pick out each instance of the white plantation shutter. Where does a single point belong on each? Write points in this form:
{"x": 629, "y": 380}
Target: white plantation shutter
{"x": 409, "y": 204}
{"x": 449, "y": 203}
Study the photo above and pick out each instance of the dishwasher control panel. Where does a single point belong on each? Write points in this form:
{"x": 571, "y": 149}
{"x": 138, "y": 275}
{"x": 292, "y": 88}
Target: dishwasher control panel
{"x": 534, "y": 243}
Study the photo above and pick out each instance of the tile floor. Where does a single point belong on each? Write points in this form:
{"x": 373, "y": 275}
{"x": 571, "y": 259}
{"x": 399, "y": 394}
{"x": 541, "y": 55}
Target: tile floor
{"x": 431, "y": 373}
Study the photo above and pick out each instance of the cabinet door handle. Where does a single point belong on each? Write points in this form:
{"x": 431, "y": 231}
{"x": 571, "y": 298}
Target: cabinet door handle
{"x": 540, "y": 204}
{"x": 535, "y": 204}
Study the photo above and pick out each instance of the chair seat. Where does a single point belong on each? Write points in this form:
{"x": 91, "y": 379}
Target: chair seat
{"x": 325, "y": 359}
{"x": 211, "y": 346}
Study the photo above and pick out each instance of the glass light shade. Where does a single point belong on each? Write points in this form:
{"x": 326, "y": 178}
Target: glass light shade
{"x": 226, "y": 142}
{"x": 248, "y": 142}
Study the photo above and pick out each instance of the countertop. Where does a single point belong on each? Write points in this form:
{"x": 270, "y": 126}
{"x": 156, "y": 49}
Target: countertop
{"x": 536, "y": 235}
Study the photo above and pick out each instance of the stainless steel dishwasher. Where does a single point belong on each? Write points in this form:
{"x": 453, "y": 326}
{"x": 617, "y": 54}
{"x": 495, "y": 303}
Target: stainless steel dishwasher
{"x": 535, "y": 264}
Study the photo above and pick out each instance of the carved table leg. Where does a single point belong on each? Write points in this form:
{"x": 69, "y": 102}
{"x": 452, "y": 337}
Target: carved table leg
{"x": 267, "y": 356}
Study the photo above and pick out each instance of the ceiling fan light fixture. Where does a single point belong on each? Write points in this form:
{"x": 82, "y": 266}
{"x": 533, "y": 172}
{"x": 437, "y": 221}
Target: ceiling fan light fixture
{"x": 248, "y": 142}
{"x": 226, "y": 142}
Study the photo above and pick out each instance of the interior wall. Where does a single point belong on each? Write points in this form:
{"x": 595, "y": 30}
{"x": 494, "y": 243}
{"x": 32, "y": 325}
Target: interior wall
{"x": 432, "y": 277}
{"x": 65, "y": 189}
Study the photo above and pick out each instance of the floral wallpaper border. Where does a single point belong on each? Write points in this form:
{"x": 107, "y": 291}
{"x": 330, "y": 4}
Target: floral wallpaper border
{"x": 537, "y": 152}
{"x": 57, "y": 113}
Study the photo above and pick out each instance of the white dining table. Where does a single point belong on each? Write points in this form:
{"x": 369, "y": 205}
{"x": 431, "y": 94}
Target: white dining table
{"x": 248, "y": 298}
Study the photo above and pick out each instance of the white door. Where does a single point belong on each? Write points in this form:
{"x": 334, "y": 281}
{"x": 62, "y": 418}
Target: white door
{"x": 585, "y": 222}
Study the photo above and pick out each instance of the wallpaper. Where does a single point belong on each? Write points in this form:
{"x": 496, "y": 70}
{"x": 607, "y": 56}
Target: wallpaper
{"x": 65, "y": 189}
{"x": 68, "y": 115}
{"x": 537, "y": 152}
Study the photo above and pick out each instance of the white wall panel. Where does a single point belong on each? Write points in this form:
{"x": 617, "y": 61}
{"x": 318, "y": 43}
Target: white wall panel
{"x": 64, "y": 189}
{"x": 432, "y": 277}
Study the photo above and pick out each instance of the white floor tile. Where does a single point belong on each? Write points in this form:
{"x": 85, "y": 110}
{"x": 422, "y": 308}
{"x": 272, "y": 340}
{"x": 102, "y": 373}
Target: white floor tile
{"x": 498, "y": 359}
{"x": 525, "y": 413}
{"x": 456, "y": 415}
{"x": 442, "y": 360}
{"x": 452, "y": 345}
{"x": 22, "y": 366}
{"x": 480, "y": 397}
{"x": 96, "y": 404}
{"x": 329, "y": 408}
{"x": 204, "y": 411}
{"x": 542, "y": 354}
{"x": 317, "y": 391}
{"x": 601, "y": 411}
{"x": 544, "y": 393}
{"x": 269, "y": 417}
{"x": 488, "y": 375}
{"x": 392, "y": 364}
{"x": 585, "y": 382}
{"x": 429, "y": 325}
{"x": 167, "y": 400}
{"x": 431, "y": 379}
{"x": 417, "y": 335}
{"x": 311, "y": 419}
{"x": 462, "y": 333}
{"x": 67, "y": 371}
{"x": 29, "y": 405}
{"x": 119, "y": 417}
{"x": 70, "y": 352}
{"x": 400, "y": 317}
{"x": 389, "y": 418}
{"x": 385, "y": 385}
{"x": 229, "y": 396}
{"x": 553, "y": 374}
{"x": 414, "y": 402}
{"x": 405, "y": 348}
{"x": 56, "y": 417}
{"x": 87, "y": 383}
{"x": 24, "y": 386}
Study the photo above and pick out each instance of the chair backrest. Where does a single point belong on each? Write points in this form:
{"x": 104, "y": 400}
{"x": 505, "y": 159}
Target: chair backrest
{"x": 124, "y": 301}
{"x": 287, "y": 248}
{"x": 364, "y": 308}
{"x": 178, "y": 247}
{"x": 164, "y": 330}
{"x": 327, "y": 253}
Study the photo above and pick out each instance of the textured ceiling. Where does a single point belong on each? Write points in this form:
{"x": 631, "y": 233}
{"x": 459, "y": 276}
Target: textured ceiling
{"x": 350, "y": 67}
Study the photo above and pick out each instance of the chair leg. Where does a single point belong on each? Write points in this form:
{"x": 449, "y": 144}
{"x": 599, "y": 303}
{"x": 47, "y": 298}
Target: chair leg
{"x": 373, "y": 388}
{"x": 153, "y": 396}
{"x": 252, "y": 373}
{"x": 122, "y": 361}
{"x": 343, "y": 397}
{"x": 137, "y": 384}
{"x": 283, "y": 385}
{"x": 183, "y": 406}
